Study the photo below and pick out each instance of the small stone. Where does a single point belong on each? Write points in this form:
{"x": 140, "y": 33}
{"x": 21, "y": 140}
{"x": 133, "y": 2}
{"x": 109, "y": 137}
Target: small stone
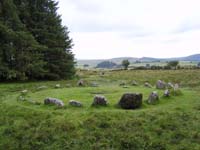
{"x": 24, "y": 92}
{"x": 57, "y": 86}
{"x": 170, "y": 85}
{"x": 166, "y": 93}
{"x": 21, "y": 98}
{"x": 53, "y": 101}
{"x": 75, "y": 103}
{"x": 80, "y": 83}
{"x": 134, "y": 83}
{"x": 153, "y": 98}
{"x": 147, "y": 84}
{"x": 99, "y": 101}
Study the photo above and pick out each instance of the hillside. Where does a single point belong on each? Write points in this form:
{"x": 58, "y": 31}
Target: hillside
{"x": 93, "y": 63}
{"x": 171, "y": 124}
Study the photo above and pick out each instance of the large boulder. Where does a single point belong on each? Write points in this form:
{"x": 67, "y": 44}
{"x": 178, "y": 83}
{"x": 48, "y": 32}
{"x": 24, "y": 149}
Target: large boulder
{"x": 99, "y": 101}
{"x": 131, "y": 101}
{"x": 160, "y": 84}
{"x": 53, "y": 101}
{"x": 153, "y": 98}
{"x": 75, "y": 103}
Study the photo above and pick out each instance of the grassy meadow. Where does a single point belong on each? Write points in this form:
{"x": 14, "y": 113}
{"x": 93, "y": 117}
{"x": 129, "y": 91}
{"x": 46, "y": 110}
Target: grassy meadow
{"x": 172, "y": 124}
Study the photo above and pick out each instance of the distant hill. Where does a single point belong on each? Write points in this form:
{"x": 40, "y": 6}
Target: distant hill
{"x": 93, "y": 62}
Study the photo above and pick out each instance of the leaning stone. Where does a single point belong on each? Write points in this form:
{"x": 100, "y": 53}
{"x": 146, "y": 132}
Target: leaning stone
{"x": 153, "y": 98}
{"x": 130, "y": 101}
{"x": 99, "y": 100}
{"x": 75, "y": 103}
{"x": 53, "y": 101}
{"x": 166, "y": 93}
{"x": 160, "y": 84}
{"x": 147, "y": 84}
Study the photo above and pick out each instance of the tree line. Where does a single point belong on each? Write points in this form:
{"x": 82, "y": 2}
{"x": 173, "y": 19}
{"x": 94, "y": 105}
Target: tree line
{"x": 33, "y": 42}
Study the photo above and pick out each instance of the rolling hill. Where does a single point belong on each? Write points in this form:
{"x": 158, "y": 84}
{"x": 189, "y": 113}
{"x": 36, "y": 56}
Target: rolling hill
{"x": 94, "y": 62}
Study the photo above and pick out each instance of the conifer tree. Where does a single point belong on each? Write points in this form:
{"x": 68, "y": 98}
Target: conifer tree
{"x": 20, "y": 53}
{"x": 42, "y": 20}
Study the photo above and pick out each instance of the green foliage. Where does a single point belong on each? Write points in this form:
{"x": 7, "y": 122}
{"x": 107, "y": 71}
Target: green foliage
{"x": 125, "y": 64}
{"x": 34, "y": 44}
{"x": 173, "y": 64}
{"x": 106, "y": 64}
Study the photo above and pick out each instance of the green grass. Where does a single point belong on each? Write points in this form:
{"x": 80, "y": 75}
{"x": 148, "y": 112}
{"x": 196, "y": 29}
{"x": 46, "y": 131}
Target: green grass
{"x": 172, "y": 124}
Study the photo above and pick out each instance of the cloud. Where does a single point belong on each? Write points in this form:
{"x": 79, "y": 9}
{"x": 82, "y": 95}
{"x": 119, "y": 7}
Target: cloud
{"x": 132, "y": 27}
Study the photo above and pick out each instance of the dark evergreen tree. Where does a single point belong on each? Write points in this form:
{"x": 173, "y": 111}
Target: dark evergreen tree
{"x": 33, "y": 43}
{"x": 42, "y": 20}
{"x": 20, "y": 53}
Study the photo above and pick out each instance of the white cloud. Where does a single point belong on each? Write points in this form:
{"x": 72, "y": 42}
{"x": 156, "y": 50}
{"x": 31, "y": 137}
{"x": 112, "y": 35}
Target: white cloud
{"x": 114, "y": 28}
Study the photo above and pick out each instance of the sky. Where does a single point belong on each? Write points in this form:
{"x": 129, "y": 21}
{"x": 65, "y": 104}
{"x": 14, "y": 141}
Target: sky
{"x": 103, "y": 29}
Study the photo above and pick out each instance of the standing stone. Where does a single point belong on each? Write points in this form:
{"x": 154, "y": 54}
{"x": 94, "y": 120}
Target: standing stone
{"x": 131, "y": 101}
{"x": 75, "y": 103}
{"x": 53, "y": 101}
{"x": 160, "y": 84}
{"x": 153, "y": 98}
{"x": 99, "y": 101}
{"x": 166, "y": 93}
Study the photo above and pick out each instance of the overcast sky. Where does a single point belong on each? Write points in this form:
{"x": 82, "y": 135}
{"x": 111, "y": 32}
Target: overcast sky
{"x": 133, "y": 28}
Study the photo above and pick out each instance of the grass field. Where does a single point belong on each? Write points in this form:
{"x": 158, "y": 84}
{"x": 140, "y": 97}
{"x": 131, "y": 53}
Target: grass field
{"x": 172, "y": 124}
